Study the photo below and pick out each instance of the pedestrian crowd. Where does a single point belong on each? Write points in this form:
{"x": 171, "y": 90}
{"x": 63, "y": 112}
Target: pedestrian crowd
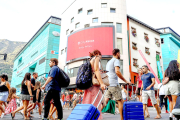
{"x": 48, "y": 96}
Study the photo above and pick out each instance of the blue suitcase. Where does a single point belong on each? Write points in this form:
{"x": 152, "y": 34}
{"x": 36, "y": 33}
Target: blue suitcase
{"x": 86, "y": 111}
{"x": 133, "y": 110}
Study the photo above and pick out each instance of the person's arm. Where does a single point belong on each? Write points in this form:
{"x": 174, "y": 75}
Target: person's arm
{"x": 152, "y": 84}
{"x": 37, "y": 94}
{"x": 47, "y": 81}
{"x": 158, "y": 93}
{"x": 29, "y": 87}
{"x": 98, "y": 74}
{"x": 14, "y": 95}
{"x": 137, "y": 84}
{"x": 118, "y": 73}
{"x": 126, "y": 92}
{"x": 8, "y": 86}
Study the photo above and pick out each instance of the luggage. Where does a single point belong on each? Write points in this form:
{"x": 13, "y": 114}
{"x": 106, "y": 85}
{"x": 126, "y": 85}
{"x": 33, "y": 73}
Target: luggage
{"x": 176, "y": 110}
{"x": 64, "y": 79}
{"x": 110, "y": 107}
{"x": 133, "y": 110}
{"x": 86, "y": 111}
{"x": 84, "y": 76}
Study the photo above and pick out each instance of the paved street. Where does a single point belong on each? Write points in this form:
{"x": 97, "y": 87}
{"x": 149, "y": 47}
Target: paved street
{"x": 105, "y": 116}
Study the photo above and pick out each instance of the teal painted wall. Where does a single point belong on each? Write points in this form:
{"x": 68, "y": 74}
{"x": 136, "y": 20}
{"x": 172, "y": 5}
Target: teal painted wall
{"x": 169, "y": 49}
{"x": 31, "y": 59}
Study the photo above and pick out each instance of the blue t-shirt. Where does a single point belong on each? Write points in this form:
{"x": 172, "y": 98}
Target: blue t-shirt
{"x": 110, "y": 67}
{"x": 147, "y": 80}
{"x": 53, "y": 84}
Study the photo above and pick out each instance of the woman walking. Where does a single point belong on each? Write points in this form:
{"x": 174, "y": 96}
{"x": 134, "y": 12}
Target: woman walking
{"x": 90, "y": 93}
{"x": 36, "y": 99}
{"x": 138, "y": 89}
{"x": 124, "y": 93}
{"x": 4, "y": 92}
{"x": 172, "y": 88}
{"x": 12, "y": 101}
{"x": 26, "y": 95}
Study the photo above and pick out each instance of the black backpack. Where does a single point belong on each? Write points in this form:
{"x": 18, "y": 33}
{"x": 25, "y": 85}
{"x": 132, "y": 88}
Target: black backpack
{"x": 64, "y": 79}
{"x": 84, "y": 76}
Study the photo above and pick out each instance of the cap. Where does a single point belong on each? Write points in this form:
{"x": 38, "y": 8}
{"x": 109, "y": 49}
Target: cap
{"x": 4, "y": 76}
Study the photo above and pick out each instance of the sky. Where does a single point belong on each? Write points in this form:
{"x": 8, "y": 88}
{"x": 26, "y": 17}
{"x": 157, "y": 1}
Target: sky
{"x": 20, "y": 19}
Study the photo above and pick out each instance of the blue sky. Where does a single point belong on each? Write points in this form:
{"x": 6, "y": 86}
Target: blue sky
{"x": 20, "y": 19}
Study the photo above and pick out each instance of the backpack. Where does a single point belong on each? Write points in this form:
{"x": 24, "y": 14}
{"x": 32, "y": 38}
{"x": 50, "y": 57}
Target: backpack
{"x": 64, "y": 79}
{"x": 84, "y": 76}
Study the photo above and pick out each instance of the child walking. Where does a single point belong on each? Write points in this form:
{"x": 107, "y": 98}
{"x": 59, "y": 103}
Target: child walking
{"x": 12, "y": 101}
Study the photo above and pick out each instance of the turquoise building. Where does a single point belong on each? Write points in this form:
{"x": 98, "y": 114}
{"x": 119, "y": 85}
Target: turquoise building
{"x": 36, "y": 54}
{"x": 170, "y": 44}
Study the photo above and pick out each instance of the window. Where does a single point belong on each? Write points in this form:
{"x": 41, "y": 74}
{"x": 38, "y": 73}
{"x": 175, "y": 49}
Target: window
{"x": 20, "y": 61}
{"x": 77, "y": 25}
{"x": 67, "y": 31}
{"x": 95, "y": 20}
{"x": 118, "y": 27}
{"x": 103, "y": 5}
{"x": 71, "y": 31}
{"x": 157, "y": 53}
{"x": 157, "y": 42}
{"x": 72, "y": 20}
{"x": 107, "y": 23}
{"x": 62, "y": 51}
{"x": 146, "y": 37}
{"x": 86, "y": 25}
{"x": 73, "y": 72}
{"x": 133, "y": 30}
{"x": 121, "y": 66}
{"x": 119, "y": 45}
{"x": 147, "y": 51}
{"x": 134, "y": 46}
{"x": 135, "y": 62}
{"x": 104, "y": 63}
{"x": 80, "y": 11}
{"x": 112, "y": 10}
{"x": 89, "y": 12}
{"x": 42, "y": 60}
{"x": 162, "y": 40}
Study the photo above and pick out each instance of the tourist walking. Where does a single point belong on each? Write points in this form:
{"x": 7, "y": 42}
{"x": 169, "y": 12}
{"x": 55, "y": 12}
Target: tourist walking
{"x": 53, "y": 88}
{"x": 36, "y": 98}
{"x": 67, "y": 100}
{"x": 124, "y": 93}
{"x": 4, "y": 92}
{"x": 75, "y": 97}
{"x": 172, "y": 88}
{"x": 147, "y": 90}
{"x": 12, "y": 106}
{"x": 114, "y": 90}
{"x": 26, "y": 95}
{"x": 138, "y": 90}
{"x": 90, "y": 93}
{"x": 162, "y": 97}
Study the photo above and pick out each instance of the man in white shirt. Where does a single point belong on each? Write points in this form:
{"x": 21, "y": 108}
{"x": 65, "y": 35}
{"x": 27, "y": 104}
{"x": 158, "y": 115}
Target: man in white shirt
{"x": 162, "y": 96}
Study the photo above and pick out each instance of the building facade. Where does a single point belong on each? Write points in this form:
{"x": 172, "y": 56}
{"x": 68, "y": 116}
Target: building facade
{"x": 36, "y": 54}
{"x": 84, "y": 14}
{"x": 170, "y": 44}
{"x": 147, "y": 39}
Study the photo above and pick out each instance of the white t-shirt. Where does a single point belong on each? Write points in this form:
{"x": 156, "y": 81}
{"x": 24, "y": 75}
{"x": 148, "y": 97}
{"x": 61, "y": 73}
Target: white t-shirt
{"x": 161, "y": 89}
{"x": 123, "y": 94}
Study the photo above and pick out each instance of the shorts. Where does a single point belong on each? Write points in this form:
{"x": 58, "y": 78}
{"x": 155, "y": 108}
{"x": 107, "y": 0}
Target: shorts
{"x": 172, "y": 88}
{"x": 138, "y": 91}
{"x": 146, "y": 95}
{"x": 24, "y": 97}
{"x": 114, "y": 92}
{"x": 4, "y": 96}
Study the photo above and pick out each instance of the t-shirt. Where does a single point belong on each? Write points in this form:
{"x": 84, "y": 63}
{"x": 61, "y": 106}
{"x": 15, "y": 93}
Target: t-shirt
{"x": 33, "y": 81}
{"x": 140, "y": 81}
{"x": 110, "y": 67}
{"x": 63, "y": 97}
{"x": 147, "y": 80}
{"x": 161, "y": 89}
{"x": 53, "y": 84}
{"x": 75, "y": 96}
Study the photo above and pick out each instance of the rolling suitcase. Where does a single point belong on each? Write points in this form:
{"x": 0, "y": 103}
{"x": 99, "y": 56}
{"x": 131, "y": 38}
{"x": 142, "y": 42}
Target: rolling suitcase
{"x": 176, "y": 110}
{"x": 133, "y": 110}
{"x": 86, "y": 111}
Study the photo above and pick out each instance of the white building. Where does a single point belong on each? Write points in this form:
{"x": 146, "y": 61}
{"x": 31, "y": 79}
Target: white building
{"x": 84, "y": 13}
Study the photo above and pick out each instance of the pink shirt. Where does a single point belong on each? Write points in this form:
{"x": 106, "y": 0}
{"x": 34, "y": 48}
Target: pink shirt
{"x": 140, "y": 81}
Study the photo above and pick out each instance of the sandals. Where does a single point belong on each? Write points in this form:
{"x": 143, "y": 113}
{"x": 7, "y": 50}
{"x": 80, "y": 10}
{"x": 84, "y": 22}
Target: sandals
{"x": 147, "y": 116}
{"x": 157, "y": 117}
{"x": 12, "y": 116}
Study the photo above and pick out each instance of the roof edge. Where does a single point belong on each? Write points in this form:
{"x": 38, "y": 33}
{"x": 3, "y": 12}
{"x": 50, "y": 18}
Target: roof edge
{"x": 138, "y": 21}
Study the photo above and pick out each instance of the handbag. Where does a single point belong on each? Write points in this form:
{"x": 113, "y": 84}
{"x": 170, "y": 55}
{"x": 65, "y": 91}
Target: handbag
{"x": 104, "y": 77}
{"x": 165, "y": 80}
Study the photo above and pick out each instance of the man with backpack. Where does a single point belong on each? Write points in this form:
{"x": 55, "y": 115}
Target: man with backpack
{"x": 113, "y": 72}
{"x": 53, "y": 88}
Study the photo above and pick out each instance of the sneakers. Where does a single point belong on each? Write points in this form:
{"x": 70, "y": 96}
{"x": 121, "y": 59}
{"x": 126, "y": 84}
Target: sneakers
{"x": 166, "y": 111}
{"x": 40, "y": 117}
{"x": 2, "y": 115}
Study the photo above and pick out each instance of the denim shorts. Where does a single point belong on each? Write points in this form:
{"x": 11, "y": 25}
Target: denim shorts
{"x": 4, "y": 96}
{"x": 24, "y": 97}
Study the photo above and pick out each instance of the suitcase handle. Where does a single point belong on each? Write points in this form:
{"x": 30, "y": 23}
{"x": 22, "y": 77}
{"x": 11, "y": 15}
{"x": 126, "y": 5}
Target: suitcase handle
{"x": 101, "y": 98}
{"x": 128, "y": 91}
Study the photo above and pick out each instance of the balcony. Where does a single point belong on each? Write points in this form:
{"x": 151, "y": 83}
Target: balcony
{"x": 135, "y": 65}
{"x": 134, "y": 47}
{"x": 134, "y": 33}
{"x": 147, "y": 52}
{"x": 158, "y": 44}
{"x": 146, "y": 38}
